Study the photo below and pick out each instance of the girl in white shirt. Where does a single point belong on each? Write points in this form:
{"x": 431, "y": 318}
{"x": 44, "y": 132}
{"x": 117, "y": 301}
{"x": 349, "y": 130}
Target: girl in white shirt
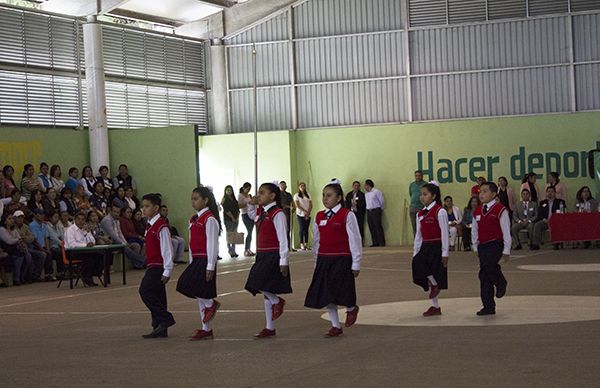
{"x": 303, "y": 210}
{"x": 246, "y": 204}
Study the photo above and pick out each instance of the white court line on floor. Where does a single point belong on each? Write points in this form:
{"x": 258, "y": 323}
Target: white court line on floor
{"x": 145, "y": 312}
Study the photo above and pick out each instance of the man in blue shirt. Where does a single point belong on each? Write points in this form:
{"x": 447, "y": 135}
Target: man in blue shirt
{"x": 414, "y": 191}
{"x": 39, "y": 229}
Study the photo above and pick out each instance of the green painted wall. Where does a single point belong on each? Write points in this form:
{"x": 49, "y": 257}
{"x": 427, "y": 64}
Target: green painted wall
{"x": 389, "y": 156}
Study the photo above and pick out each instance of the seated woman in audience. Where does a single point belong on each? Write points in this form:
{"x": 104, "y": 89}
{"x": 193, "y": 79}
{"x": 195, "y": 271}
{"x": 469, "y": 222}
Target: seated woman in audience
{"x": 17, "y": 250}
{"x": 44, "y": 177}
{"x": 9, "y": 183}
{"x": 131, "y": 199}
{"x": 98, "y": 201}
{"x": 104, "y": 178}
{"x": 55, "y": 178}
{"x": 454, "y": 221}
{"x": 81, "y": 200}
{"x": 128, "y": 228}
{"x": 73, "y": 180}
{"x": 51, "y": 201}
{"x": 67, "y": 203}
{"x": 529, "y": 183}
{"x": 467, "y": 221}
{"x": 94, "y": 227}
{"x": 118, "y": 198}
{"x": 506, "y": 195}
{"x": 36, "y": 201}
{"x": 559, "y": 186}
{"x": 584, "y": 202}
{"x": 87, "y": 181}
{"x": 138, "y": 222}
{"x": 17, "y": 203}
{"x": 65, "y": 220}
{"x": 29, "y": 183}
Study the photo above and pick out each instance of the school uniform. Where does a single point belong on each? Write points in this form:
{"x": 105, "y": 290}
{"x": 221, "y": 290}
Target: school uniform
{"x": 337, "y": 248}
{"x": 159, "y": 263}
{"x": 204, "y": 246}
{"x": 271, "y": 252}
{"x": 430, "y": 245}
{"x": 491, "y": 239}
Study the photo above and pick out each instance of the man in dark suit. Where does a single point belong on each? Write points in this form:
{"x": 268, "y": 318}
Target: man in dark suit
{"x": 355, "y": 201}
{"x": 551, "y": 205}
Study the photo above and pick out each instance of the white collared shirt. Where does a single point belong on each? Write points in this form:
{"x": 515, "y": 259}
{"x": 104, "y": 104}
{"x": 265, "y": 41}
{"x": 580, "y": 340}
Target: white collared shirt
{"x": 504, "y": 225}
{"x": 77, "y": 238}
{"x": 374, "y": 199}
{"x": 212, "y": 241}
{"x": 443, "y": 223}
{"x": 354, "y": 238}
{"x": 166, "y": 247}
{"x": 280, "y": 222}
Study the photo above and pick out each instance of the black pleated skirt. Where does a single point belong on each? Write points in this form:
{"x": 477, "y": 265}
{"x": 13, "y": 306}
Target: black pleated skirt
{"x": 429, "y": 262}
{"x": 265, "y": 275}
{"x": 332, "y": 282}
{"x": 192, "y": 282}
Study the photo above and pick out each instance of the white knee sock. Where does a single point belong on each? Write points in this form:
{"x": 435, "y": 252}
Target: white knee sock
{"x": 348, "y": 309}
{"x": 432, "y": 280}
{"x": 333, "y": 315}
{"x": 269, "y": 314}
{"x": 274, "y": 299}
{"x": 207, "y": 302}
{"x": 202, "y": 305}
{"x": 435, "y": 303}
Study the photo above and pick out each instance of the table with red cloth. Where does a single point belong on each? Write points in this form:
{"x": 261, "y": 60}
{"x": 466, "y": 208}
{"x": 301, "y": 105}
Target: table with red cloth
{"x": 565, "y": 227}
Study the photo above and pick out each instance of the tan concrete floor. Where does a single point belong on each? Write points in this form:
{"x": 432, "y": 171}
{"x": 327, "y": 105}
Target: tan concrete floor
{"x": 91, "y": 337}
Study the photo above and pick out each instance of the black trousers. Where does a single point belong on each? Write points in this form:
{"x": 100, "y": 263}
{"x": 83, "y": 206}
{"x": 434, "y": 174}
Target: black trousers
{"x": 360, "y": 217}
{"x": 376, "y": 227}
{"x": 490, "y": 273}
{"x": 91, "y": 265}
{"x": 288, "y": 219}
{"x": 304, "y": 225}
{"x": 154, "y": 296}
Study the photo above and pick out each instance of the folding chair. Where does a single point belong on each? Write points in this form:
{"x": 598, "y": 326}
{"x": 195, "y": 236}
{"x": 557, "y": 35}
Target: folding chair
{"x": 72, "y": 266}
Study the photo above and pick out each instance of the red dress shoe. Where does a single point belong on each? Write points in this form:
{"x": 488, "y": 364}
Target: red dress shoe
{"x": 334, "y": 332}
{"x": 351, "y": 317}
{"x": 434, "y": 291}
{"x": 202, "y": 335}
{"x": 277, "y": 309}
{"x": 265, "y": 333}
{"x": 433, "y": 311}
{"x": 209, "y": 312}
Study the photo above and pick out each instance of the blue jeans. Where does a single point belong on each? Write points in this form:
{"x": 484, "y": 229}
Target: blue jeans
{"x": 249, "y": 227}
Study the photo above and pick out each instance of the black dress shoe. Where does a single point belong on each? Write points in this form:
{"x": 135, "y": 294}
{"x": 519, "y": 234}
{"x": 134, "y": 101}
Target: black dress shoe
{"x": 484, "y": 311}
{"x": 158, "y": 332}
{"x": 500, "y": 291}
{"x": 89, "y": 282}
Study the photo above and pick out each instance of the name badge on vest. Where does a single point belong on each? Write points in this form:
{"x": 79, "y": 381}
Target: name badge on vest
{"x": 323, "y": 223}
{"x": 477, "y": 218}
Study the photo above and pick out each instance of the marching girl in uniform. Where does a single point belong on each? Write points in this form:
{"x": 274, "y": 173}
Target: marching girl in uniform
{"x": 430, "y": 256}
{"x": 337, "y": 247}
{"x": 198, "y": 281}
{"x": 270, "y": 273}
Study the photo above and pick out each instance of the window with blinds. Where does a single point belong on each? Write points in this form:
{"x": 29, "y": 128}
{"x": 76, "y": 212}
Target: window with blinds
{"x": 152, "y": 79}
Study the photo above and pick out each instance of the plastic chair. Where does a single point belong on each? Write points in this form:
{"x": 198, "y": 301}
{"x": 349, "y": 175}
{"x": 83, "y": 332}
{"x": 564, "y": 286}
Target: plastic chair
{"x": 72, "y": 266}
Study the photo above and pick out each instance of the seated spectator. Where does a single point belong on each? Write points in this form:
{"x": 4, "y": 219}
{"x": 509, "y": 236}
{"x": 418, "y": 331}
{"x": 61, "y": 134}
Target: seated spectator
{"x": 112, "y": 227}
{"x": 124, "y": 179}
{"x": 559, "y": 186}
{"x": 9, "y": 182}
{"x": 56, "y": 235}
{"x": 5, "y": 261}
{"x": 16, "y": 204}
{"x": 88, "y": 181}
{"x": 51, "y": 202}
{"x": 93, "y": 225}
{"x": 131, "y": 199}
{"x": 546, "y": 209}
{"x": 65, "y": 220}
{"x": 3, "y": 193}
{"x": 77, "y": 236}
{"x": 108, "y": 194}
{"x": 178, "y": 242}
{"x": 584, "y": 202}
{"x": 44, "y": 178}
{"x": 55, "y": 178}
{"x": 81, "y": 200}
{"x": 29, "y": 182}
{"x": 118, "y": 198}
{"x": 138, "y": 222}
{"x": 67, "y": 204}
{"x": 529, "y": 183}
{"x": 477, "y": 188}
{"x": 39, "y": 229}
{"x": 467, "y": 221}
{"x": 126, "y": 221}
{"x": 524, "y": 217}
{"x": 16, "y": 248}
{"x": 98, "y": 201}
{"x": 506, "y": 195}
{"x": 36, "y": 201}
{"x": 454, "y": 221}
{"x": 73, "y": 181}
{"x": 104, "y": 178}
{"x": 34, "y": 249}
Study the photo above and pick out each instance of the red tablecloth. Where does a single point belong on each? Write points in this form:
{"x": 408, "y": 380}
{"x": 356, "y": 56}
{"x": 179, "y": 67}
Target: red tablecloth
{"x": 575, "y": 227}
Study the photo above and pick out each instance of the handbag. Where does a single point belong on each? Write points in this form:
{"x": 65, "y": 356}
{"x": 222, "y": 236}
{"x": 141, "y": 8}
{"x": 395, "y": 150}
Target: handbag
{"x": 235, "y": 238}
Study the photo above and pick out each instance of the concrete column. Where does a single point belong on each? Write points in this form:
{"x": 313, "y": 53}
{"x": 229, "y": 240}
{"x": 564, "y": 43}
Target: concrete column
{"x": 96, "y": 93}
{"x": 220, "y": 100}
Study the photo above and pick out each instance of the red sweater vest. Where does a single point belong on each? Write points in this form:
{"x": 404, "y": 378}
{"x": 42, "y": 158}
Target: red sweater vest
{"x": 429, "y": 225}
{"x": 153, "y": 255}
{"x": 488, "y": 225}
{"x": 333, "y": 236}
{"x": 267, "y": 240}
{"x": 198, "y": 235}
